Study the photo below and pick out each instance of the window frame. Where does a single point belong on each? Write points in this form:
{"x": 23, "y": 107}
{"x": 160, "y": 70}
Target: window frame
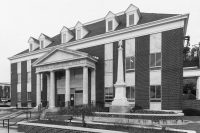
{"x": 19, "y": 98}
{"x": 133, "y": 19}
{"x": 111, "y": 25}
{"x": 77, "y": 33}
{"x": 110, "y": 94}
{"x": 31, "y": 47}
{"x": 64, "y": 38}
{"x": 19, "y": 81}
{"x": 41, "y": 44}
{"x": 155, "y": 99}
{"x": 130, "y": 92}
{"x": 28, "y": 96}
{"x": 130, "y": 63}
{"x": 155, "y": 63}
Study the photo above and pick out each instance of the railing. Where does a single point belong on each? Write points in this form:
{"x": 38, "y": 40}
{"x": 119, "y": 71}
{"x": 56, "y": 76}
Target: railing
{"x": 8, "y": 119}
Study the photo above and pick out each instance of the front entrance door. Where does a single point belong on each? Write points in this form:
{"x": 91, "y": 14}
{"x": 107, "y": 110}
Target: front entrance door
{"x": 72, "y": 99}
{"x": 61, "y": 100}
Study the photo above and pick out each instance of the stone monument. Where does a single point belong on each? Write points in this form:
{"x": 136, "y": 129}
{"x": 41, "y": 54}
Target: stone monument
{"x": 120, "y": 103}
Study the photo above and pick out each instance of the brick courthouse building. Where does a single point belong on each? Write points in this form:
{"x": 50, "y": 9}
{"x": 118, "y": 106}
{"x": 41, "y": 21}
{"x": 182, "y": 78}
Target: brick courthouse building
{"x": 79, "y": 64}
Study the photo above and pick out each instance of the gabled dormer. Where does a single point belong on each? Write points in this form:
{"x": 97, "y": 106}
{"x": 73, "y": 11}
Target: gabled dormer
{"x": 44, "y": 41}
{"x": 111, "y": 21}
{"x": 33, "y": 43}
{"x": 132, "y": 15}
{"x": 80, "y": 30}
{"x": 66, "y": 35}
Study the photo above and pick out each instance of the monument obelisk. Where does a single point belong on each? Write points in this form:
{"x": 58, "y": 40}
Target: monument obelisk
{"x": 120, "y": 103}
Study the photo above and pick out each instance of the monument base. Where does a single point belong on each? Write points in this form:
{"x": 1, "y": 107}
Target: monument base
{"x": 119, "y": 109}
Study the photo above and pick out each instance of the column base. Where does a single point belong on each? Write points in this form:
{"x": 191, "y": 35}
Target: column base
{"x": 119, "y": 109}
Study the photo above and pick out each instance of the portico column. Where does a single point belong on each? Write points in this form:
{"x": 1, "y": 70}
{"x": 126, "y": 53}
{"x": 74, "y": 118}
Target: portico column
{"x": 67, "y": 86}
{"x": 93, "y": 86}
{"x": 48, "y": 86}
{"x": 198, "y": 88}
{"x": 38, "y": 101}
{"x": 52, "y": 90}
{"x": 85, "y": 85}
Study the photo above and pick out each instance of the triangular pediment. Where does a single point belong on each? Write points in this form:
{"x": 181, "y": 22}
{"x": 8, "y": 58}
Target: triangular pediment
{"x": 78, "y": 24}
{"x": 61, "y": 55}
{"x": 109, "y": 15}
{"x": 131, "y": 8}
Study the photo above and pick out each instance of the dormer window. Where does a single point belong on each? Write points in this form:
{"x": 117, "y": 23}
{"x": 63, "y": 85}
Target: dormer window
{"x": 42, "y": 44}
{"x": 78, "y": 34}
{"x": 64, "y": 38}
{"x": 81, "y": 30}
{"x": 110, "y": 25}
{"x": 111, "y": 21}
{"x": 132, "y": 15}
{"x": 33, "y": 44}
{"x": 131, "y": 19}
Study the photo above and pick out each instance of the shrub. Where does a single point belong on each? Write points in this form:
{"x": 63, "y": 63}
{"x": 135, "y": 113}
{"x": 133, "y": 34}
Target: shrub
{"x": 191, "y": 112}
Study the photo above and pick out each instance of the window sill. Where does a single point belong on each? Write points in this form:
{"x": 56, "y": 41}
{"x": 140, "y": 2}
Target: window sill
{"x": 130, "y": 70}
{"x": 155, "y": 68}
{"x": 155, "y": 100}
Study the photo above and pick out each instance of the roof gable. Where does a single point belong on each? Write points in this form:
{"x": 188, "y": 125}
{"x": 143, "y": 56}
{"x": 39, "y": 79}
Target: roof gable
{"x": 131, "y": 8}
{"x": 60, "y": 55}
{"x": 109, "y": 15}
{"x": 78, "y": 24}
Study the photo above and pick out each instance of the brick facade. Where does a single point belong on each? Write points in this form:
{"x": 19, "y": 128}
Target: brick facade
{"x": 191, "y": 104}
{"x": 14, "y": 84}
{"x": 99, "y": 52}
{"x": 142, "y": 71}
{"x": 172, "y": 69}
{"x": 24, "y": 83}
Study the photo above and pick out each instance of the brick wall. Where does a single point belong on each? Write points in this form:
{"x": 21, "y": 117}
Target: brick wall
{"x": 193, "y": 104}
{"x": 13, "y": 84}
{"x": 172, "y": 69}
{"x": 24, "y": 83}
{"x": 33, "y": 85}
{"x": 99, "y": 52}
{"x": 142, "y": 71}
{"x": 1, "y": 91}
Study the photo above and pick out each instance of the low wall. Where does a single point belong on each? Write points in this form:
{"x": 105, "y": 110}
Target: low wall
{"x": 194, "y": 104}
{"x": 129, "y": 118}
{"x": 41, "y": 128}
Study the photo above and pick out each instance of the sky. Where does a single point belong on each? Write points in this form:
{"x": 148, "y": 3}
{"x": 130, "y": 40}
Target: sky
{"x": 21, "y": 19}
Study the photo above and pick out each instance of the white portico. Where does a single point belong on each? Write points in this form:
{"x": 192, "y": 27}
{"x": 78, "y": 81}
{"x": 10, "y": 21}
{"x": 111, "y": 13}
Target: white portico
{"x": 65, "y": 60}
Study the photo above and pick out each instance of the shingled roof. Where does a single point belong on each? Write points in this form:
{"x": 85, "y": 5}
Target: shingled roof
{"x": 99, "y": 28}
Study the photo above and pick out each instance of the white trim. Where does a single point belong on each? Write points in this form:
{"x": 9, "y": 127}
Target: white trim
{"x": 129, "y": 32}
{"x": 191, "y": 73}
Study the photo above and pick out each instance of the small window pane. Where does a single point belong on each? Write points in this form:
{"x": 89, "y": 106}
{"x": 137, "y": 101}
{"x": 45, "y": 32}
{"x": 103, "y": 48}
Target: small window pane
{"x": 132, "y": 92}
{"x": 78, "y": 34}
{"x": 128, "y": 91}
{"x": 108, "y": 93}
{"x": 42, "y": 44}
{"x": 19, "y": 96}
{"x": 158, "y": 59}
{"x": 131, "y": 19}
{"x": 19, "y": 78}
{"x": 31, "y": 47}
{"x": 158, "y": 91}
{"x": 152, "y": 60}
{"x": 110, "y": 25}
{"x": 64, "y": 38}
{"x": 28, "y": 77}
{"x": 109, "y": 66}
{"x": 152, "y": 91}
{"x": 128, "y": 66}
{"x": 132, "y": 61}
{"x": 28, "y": 95}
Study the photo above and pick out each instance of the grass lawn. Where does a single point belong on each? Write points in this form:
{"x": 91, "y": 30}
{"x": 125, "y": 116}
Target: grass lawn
{"x": 194, "y": 125}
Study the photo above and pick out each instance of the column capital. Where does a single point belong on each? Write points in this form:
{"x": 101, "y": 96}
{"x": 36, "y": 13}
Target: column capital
{"x": 67, "y": 68}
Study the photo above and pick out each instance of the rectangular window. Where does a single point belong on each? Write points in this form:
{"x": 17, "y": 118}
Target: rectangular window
{"x": 31, "y": 47}
{"x": 130, "y": 92}
{"x": 18, "y": 96}
{"x": 108, "y": 66}
{"x": 29, "y": 77}
{"x": 131, "y": 19}
{"x": 19, "y": 67}
{"x": 28, "y": 65}
{"x": 78, "y": 34}
{"x": 130, "y": 63}
{"x": 108, "y": 94}
{"x": 155, "y": 60}
{"x": 28, "y": 96}
{"x": 19, "y": 78}
{"x": 110, "y": 25}
{"x": 155, "y": 92}
{"x": 64, "y": 38}
{"x": 42, "y": 44}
